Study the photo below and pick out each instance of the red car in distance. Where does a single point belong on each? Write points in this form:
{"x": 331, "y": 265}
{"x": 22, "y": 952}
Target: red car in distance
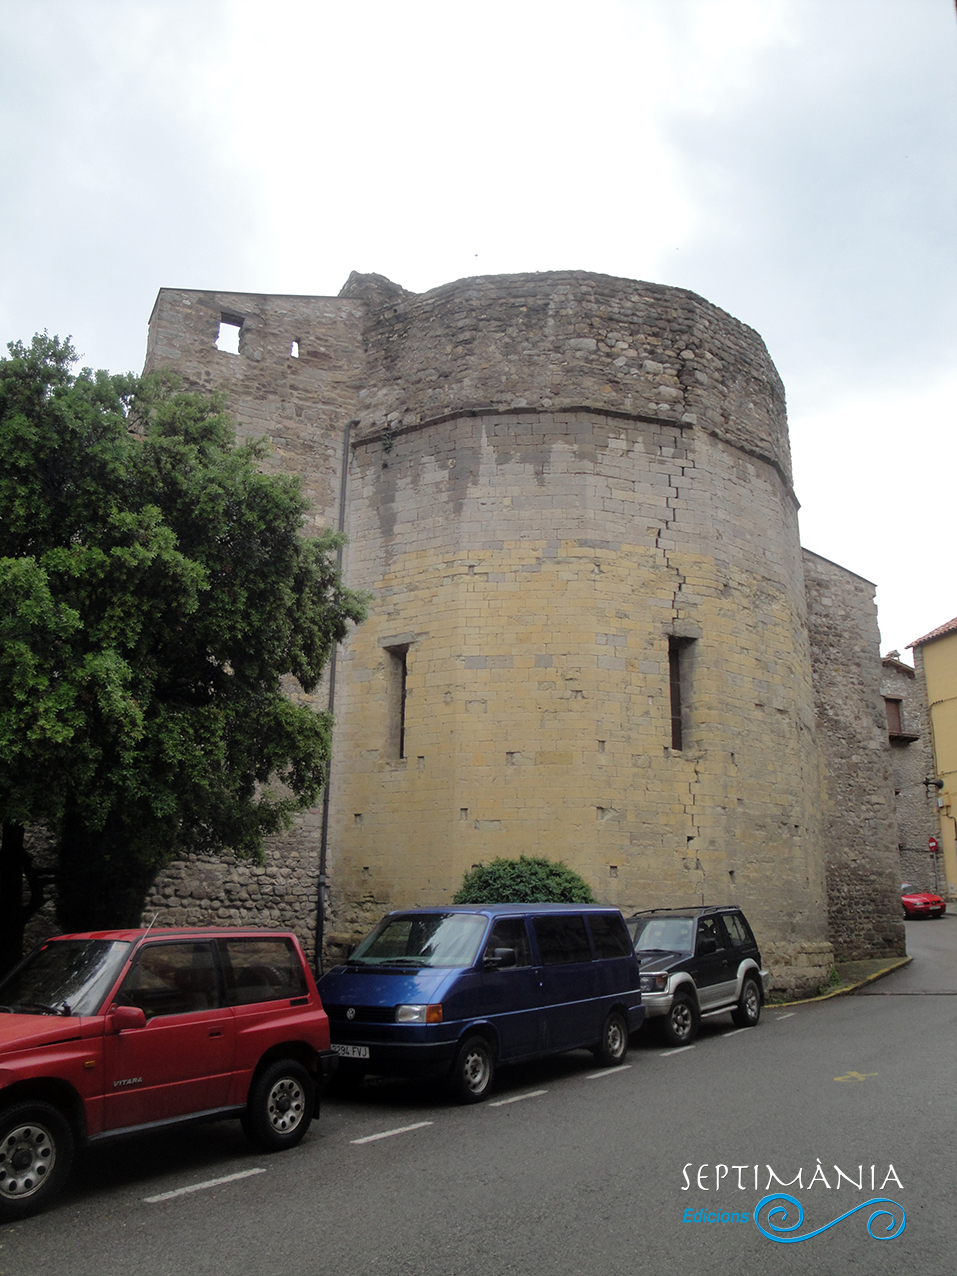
{"x": 918, "y": 903}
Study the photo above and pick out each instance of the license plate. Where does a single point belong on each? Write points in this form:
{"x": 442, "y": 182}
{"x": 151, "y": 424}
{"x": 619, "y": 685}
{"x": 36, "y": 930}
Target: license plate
{"x": 351, "y": 1052}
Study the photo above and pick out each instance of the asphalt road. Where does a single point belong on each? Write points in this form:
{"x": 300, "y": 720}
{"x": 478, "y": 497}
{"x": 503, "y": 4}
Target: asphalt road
{"x": 570, "y": 1169}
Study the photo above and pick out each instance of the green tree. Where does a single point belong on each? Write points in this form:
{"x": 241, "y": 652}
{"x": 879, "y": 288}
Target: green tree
{"x": 527, "y": 880}
{"x": 158, "y": 594}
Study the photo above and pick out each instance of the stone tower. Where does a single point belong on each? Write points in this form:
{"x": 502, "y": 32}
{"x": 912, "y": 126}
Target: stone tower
{"x": 571, "y": 497}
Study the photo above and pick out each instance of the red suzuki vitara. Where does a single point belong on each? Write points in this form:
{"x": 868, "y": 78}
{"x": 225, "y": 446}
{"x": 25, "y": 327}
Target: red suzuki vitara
{"x": 114, "y": 1032}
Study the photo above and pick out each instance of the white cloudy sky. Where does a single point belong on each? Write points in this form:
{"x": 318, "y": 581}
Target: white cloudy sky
{"x": 791, "y": 160}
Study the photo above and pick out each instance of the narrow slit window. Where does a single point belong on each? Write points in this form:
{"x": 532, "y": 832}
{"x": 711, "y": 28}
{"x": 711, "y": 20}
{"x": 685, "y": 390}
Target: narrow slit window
{"x": 227, "y": 339}
{"x": 679, "y": 671}
{"x": 294, "y": 350}
{"x": 398, "y": 671}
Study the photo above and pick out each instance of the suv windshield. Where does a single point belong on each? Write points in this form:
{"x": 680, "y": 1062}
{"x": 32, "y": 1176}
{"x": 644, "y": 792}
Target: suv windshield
{"x": 433, "y": 939}
{"x": 64, "y": 977}
{"x": 662, "y": 934}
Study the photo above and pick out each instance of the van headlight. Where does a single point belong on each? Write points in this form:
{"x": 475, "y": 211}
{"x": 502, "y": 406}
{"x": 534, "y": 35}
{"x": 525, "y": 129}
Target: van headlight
{"x": 419, "y": 1014}
{"x": 654, "y": 982}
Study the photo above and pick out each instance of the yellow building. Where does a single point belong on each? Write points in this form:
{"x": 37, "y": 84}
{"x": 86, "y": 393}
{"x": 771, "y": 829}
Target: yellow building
{"x": 935, "y": 657}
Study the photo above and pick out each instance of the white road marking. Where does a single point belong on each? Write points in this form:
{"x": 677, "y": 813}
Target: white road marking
{"x": 517, "y": 1098}
{"x": 734, "y": 1032}
{"x": 607, "y": 1072}
{"x": 200, "y": 1187}
{"x": 387, "y": 1134}
{"x": 789, "y": 1015}
{"x": 680, "y": 1050}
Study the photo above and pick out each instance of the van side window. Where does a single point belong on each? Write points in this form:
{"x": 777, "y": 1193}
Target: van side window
{"x": 261, "y": 970}
{"x": 562, "y": 940}
{"x": 609, "y": 935}
{"x": 510, "y": 932}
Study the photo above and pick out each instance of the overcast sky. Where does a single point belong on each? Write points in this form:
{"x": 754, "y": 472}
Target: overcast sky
{"x": 793, "y": 161}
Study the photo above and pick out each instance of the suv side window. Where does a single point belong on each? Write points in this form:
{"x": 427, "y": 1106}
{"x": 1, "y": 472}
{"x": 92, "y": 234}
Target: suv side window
{"x": 738, "y": 930}
{"x": 710, "y": 928}
{"x": 562, "y": 940}
{"x": 510, "y": 932}
{"x": 172, "y": 979}
{"x": 261, "y": 970}
{"x": 609, "y": 935}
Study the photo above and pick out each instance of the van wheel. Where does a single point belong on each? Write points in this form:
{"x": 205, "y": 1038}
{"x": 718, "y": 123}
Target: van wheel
{"x": 680, "y": 1024}
{"x": 748, "y": 1010}
{"x": 614, "y": 1041}
{"x": 473, "y": 1071}
{"x": 36, "y": 1150}
{"x": 281, "y": 1102}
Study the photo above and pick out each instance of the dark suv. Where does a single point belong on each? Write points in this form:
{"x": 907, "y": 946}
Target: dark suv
{"x": 694, "y": 962}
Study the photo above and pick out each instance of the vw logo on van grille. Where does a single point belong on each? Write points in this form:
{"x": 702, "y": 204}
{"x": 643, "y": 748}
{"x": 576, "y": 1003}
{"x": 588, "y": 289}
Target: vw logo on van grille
{"x": 351, "y": 1012}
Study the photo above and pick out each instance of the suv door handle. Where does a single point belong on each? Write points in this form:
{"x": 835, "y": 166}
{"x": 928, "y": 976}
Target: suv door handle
{"x": 215, "y": 1032}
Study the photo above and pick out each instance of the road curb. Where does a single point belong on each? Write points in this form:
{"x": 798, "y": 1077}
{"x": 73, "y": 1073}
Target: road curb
{"x": 844, "y": 989}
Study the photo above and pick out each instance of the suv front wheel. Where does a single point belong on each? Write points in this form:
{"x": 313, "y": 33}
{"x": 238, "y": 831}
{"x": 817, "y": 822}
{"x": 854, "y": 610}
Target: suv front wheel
{"x": 36, "y": 1148}
{"x": 681, "y": 1023}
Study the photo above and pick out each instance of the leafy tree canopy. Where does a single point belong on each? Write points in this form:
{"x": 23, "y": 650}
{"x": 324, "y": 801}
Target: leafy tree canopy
{"x": 156, "y": 591}
{"x": 527, "y": 880}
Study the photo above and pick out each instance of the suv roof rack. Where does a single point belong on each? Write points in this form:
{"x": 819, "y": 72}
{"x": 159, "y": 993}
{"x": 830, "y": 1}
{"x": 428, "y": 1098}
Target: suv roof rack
{"x": 688, "y": 908}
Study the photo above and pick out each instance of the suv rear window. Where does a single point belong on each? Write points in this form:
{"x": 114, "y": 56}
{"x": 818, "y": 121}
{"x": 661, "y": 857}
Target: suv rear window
{"x": 261, "y": 970}
{"x": 738, "y": 930}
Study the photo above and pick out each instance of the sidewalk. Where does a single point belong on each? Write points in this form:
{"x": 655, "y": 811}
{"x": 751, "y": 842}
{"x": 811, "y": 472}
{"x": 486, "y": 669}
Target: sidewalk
{"x": 852, "y": 975}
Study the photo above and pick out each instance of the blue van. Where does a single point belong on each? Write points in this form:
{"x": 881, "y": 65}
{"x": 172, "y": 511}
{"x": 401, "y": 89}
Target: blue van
{"x": 457, "y": 990}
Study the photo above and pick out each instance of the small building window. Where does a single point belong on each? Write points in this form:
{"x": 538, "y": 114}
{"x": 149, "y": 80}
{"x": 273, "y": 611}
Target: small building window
{"x": 397, "y": 674}
{"x": 679, "y": 677}
{"x": 294, "y": 350}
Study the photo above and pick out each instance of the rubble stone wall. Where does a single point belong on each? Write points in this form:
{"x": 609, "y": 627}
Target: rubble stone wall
{"x": 859, "y": 826}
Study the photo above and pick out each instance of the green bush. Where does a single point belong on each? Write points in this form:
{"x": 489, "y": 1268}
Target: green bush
{"x": 527, "y": 880}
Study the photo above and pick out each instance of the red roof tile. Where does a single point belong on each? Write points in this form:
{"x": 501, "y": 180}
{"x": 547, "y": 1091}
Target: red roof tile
{"x": 949, "y": 628}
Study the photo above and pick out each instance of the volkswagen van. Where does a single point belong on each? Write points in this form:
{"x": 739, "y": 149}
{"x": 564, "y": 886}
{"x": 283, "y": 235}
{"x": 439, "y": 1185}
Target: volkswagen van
{"x": 455, "y": 991}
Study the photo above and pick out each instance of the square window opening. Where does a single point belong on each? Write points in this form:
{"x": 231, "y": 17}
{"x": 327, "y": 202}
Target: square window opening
{"x": 230, "y": 330}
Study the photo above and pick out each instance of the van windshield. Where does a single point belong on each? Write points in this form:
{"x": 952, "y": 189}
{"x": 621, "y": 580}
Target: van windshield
{"x": 416, "y": 939}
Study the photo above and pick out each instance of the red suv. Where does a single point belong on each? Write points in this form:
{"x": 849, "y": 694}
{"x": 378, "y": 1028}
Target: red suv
{"x": 112, "y": 1032}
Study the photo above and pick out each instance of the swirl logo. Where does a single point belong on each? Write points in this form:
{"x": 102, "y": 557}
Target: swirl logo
{"x": 777, "y": 1228}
